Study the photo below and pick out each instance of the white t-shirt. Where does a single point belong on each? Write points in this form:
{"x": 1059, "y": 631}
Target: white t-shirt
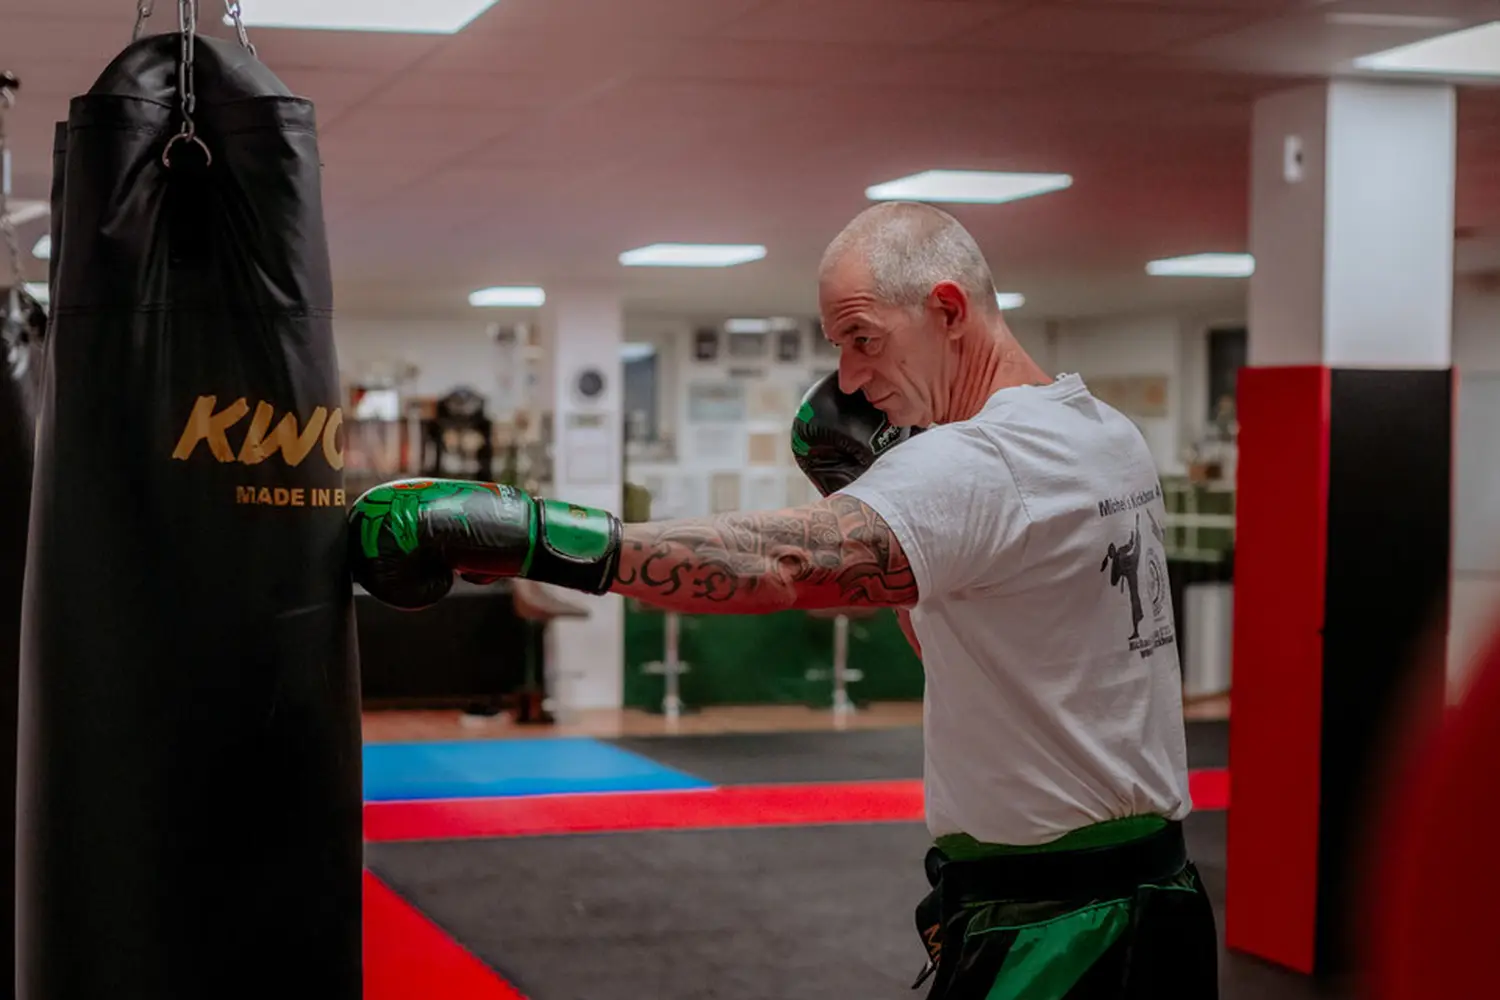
{"x": 1053, "y": 696}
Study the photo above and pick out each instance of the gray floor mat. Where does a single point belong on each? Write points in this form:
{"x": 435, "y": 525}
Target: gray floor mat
{"x": 774, "y": 758}
{"x": 798, "y": 912}
{"x": 852, "y": 755}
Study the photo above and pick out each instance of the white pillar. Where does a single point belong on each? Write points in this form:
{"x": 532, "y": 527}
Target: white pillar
{"x": 1344, "y": 408}
{"x": 1352, "y": 225}
{"x": 586, "y": 328}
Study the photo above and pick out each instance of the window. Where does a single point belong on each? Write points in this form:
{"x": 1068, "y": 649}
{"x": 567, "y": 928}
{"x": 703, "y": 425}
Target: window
{"x": 1228, "y": 350}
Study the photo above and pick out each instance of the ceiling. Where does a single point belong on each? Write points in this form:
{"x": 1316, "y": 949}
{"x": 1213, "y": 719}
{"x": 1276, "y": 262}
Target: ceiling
{"x": 550, "y": 135}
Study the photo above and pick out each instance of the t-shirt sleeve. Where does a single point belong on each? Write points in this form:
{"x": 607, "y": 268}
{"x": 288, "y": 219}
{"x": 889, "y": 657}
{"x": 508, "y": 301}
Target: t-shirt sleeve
{"x": 953, "y": 505}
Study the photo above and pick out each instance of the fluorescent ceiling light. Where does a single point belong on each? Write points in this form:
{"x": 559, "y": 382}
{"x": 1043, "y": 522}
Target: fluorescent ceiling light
{"x": 692, "y": 255}
{"x": 23, "y": 211}
{"x": 747, "y": 326}
{"x": 432, "y": 17}
{"x": 518, "y": 296}
{"x": 1471, "y": 52}
{"x": 1414, "y": 22}
{"x": 1009, "y": 300}
{"x": 1204, "y": 265}
{"x": 971, "y": 186}
{"x": 43, "y": 248}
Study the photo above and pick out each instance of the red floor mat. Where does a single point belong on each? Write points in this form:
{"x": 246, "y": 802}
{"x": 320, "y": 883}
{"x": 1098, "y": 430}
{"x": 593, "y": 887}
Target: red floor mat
{"x": 699, "y": 809}
{"x": 408, "y": 957}
{"x": 734, "y": 805}
{"x": 1209, "y": 789}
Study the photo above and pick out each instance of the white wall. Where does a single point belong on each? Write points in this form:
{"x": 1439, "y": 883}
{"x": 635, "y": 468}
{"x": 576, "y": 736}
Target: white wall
{"x": 1134, "y": 345}
{"x": 584, "y": 328}
{"x": 1475, "y": 609}
{"x": 1144, "y": 345}
{"x": 446, "y": 353}
{"x": 1476, "y": 325}
{"x": 449, "y": 353}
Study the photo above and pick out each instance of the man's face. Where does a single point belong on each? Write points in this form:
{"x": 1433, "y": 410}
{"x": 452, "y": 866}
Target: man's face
{"x": 897, "y": 356}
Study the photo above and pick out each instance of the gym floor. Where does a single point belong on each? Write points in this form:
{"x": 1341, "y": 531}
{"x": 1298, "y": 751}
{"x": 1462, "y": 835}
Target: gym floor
{"x": 739, "y": 853}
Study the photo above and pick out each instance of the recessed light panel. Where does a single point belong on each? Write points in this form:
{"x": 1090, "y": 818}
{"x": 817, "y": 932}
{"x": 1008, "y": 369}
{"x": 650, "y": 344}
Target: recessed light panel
{"x": 429, "y": 17}
{"x": 516, "y": 296}
{"x": 692, "y": 255}
{"x": 1204, "y": 265}
{"x": 968, "y": 186}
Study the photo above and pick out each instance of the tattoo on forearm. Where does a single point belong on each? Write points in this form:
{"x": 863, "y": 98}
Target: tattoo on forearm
{"x": 837, "y": 553}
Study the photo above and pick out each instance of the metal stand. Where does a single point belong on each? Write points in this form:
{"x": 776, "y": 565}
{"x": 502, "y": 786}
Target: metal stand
{"x": 671, "y": 667}
{"x": 841, "y": 675}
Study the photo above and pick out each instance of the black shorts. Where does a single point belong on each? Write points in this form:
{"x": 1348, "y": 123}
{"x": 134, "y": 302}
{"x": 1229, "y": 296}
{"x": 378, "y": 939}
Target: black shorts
{"x": 1125, "y": 922}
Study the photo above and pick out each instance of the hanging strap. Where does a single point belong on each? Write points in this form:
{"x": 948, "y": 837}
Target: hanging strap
{"x": 143, "y": 11}
{"x": 232, "y": 12}
{"x": 187, "y": 27}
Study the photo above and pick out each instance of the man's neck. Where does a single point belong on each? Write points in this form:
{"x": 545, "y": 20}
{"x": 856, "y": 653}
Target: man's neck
{"x": 989, "y": 361}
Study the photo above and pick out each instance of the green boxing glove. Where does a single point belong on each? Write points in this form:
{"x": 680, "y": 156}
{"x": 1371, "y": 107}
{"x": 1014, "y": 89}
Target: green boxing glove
{"x": 408, "y": 539}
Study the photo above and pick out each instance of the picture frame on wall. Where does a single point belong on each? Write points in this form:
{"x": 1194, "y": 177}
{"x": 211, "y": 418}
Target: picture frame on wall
{"x": 724, "y": 493}
{"x": 716, "y": 402}
{"x": 706, "y": 344}
{"x": 747, "y": 346}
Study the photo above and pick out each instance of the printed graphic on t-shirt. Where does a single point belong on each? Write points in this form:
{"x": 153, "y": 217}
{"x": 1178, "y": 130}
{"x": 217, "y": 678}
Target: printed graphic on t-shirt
{"x": 1138, "y": 570}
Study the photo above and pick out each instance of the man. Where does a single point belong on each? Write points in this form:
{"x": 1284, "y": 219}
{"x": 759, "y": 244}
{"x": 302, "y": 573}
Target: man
{"x": 1055, "y": 773}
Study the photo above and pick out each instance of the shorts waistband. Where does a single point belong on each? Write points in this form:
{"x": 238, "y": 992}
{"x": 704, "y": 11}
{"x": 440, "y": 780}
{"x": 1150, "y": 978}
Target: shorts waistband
{"x": 1086, "y": 873}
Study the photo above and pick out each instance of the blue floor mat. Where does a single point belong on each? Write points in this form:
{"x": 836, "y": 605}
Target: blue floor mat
{"x": 491, "y": 768}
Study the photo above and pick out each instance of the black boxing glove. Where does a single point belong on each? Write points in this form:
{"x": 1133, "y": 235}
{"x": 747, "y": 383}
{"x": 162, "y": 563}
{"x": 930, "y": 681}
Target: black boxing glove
{"x": 408, "y": 539}
{"x": 836, "y": 435}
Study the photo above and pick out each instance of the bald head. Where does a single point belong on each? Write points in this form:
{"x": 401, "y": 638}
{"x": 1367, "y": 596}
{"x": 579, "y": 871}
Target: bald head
{"x": 907, "y": 248}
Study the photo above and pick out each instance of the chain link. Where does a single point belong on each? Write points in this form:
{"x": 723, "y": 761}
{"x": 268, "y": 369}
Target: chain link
{"x": 232, "y": 8}
{"x": 187, "y": 23}
{"x": 143, "y": 11}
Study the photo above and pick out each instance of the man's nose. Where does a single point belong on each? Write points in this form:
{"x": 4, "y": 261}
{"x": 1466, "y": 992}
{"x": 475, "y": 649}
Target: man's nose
{"x": 852, "y": 377}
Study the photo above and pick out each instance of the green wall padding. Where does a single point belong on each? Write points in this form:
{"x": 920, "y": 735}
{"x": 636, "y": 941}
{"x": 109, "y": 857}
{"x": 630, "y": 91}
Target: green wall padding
{"x": 764, "y": 659}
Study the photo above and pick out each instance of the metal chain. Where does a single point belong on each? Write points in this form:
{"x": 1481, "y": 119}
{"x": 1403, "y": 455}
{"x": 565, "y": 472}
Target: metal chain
{"x": 232, "y": 9}
{"x": 143, "y": 11}
{"x": 187, "y": 23}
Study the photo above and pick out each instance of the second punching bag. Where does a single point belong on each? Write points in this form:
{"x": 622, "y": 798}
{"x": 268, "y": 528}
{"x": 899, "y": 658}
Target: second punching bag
{"x": 189, "y": 805}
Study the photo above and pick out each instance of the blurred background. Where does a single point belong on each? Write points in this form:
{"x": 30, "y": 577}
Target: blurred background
{"x": 497, "y": 177}
{"x": 575, "y": 248}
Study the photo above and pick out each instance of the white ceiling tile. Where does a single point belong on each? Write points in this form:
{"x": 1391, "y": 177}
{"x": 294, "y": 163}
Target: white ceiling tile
{"x": 331, "y": 91}
{"x": 1102, "y": 28}
{"x": 1304, "y": 44}
{"x": 438, "y": 87}
{"x": 371, "y": 52}
{"x": 551, "y": 134}
{"x": 612, "y": 18}
{"x": 397, "y": 133}
{"x": 532, "y": 52}
{"x": 859, "y": 21}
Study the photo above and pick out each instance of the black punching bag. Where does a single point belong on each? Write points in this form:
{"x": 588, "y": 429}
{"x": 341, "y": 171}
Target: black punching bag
{"x": 189, "y": 781}
{"x": 21, "y": 331}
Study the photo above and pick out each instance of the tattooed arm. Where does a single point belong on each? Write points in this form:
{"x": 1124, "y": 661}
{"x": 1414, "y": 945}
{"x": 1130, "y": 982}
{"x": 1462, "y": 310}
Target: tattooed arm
{"x": 836, "y": 553}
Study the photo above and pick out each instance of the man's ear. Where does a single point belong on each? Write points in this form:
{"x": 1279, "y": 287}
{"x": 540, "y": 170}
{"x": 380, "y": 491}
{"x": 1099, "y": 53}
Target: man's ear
{"x": 950, "y": 302}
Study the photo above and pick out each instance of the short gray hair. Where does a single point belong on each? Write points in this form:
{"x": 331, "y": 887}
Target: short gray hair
{"x": 908, "y": 248}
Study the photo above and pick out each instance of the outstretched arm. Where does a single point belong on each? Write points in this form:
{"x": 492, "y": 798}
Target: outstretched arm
{"x": 835, "y": 553}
